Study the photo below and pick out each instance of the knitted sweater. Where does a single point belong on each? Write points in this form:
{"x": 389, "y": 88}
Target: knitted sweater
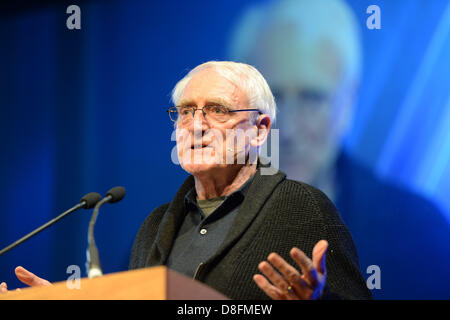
{"x": 276, "y": 215}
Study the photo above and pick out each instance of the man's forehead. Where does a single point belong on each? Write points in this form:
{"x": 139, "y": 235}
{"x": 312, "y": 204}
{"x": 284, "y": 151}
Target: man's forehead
{"x": 208, "y": 100}
{"x": 208, "y": 86}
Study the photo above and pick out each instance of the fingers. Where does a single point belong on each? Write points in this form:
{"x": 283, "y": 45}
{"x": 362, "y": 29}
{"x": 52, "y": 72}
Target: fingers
{"x": 287, "y": 285}
{"x": 3, "y": 287}
{"x": 291, "y": 276}
{"x": 319, "y": 256}
{"x": 272, "y": 291}
{"x": 26, "y": 277}
{"x": 286, "y": 282}
{"x": 273, "y": 275}
{"x": 29, "y": 278}
{"x": 309, "y": 272}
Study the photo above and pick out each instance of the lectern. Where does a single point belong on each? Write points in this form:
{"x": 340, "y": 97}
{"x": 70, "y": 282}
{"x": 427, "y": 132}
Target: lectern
{"x": 156, "y": 283}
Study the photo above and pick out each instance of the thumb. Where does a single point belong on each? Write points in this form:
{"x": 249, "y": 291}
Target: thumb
{"x": 319, "y": 256}
{"x": 29, "y": 278}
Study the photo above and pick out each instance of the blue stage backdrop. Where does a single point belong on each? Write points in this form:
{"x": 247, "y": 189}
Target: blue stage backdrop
{"x": 84, "y": 110}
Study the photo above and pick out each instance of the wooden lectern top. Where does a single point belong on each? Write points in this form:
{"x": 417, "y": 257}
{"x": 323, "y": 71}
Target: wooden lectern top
{"x": 157, "y": 283}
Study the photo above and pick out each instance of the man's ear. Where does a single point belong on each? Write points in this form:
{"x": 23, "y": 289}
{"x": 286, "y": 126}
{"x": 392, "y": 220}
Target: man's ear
{"x": 263, "y": 124}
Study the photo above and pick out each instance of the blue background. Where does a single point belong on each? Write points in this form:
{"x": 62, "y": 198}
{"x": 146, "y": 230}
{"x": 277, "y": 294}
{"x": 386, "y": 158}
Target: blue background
{"x": 84, "y": 110}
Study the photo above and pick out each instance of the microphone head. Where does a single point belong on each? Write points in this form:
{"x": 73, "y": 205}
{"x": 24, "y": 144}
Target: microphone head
{"x": 91, "y": 200}
{"x": 116, "y": 193}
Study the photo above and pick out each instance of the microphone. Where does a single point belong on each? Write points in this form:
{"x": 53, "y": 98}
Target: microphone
{"x": 93, "y": 266}
{"x": 87, "y": 202}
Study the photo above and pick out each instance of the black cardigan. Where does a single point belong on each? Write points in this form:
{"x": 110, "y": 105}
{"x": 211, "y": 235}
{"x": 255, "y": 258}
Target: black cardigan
{"x": 276, "y": 215}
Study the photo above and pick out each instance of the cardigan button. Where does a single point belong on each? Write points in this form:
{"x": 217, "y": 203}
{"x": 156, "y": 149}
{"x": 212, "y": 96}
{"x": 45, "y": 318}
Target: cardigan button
{"x": 203, "y": 231}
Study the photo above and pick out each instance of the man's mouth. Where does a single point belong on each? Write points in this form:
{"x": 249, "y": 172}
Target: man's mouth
{"x": 200, "y": 146}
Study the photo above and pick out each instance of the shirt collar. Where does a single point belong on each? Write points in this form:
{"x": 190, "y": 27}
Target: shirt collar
{"x": 190, "y": 198}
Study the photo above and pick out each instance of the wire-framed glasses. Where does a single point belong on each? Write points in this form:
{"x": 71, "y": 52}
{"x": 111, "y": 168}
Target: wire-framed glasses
{"x": 216, "y": 113}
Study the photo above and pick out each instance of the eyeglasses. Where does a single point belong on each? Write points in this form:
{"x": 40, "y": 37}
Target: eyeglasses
{"x": 185, "y": 114}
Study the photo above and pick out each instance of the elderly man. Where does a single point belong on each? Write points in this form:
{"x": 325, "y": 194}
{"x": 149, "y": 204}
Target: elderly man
{"x": 229, "y": 218}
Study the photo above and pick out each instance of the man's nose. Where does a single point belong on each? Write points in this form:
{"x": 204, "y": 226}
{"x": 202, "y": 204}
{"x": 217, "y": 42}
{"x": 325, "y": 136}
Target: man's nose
{"x": 199, "y": 120}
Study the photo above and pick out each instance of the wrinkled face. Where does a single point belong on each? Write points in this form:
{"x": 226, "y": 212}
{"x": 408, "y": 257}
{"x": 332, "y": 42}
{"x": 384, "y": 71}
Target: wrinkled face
{"x": 313, "y": 113}
{"x": 204, "y": 144}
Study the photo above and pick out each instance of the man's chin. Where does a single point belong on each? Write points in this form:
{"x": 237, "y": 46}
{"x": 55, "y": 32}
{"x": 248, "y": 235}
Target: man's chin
{"x": 201, "y": 168}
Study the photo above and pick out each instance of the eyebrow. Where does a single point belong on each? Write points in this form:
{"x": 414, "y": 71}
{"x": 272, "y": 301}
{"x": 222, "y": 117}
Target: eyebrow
{"x": 212, "y": 101}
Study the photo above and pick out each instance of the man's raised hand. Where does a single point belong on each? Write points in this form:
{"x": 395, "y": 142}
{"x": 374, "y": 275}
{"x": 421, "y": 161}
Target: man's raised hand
{"x": 27, "y": 278}
{"x": 282, "y": 281}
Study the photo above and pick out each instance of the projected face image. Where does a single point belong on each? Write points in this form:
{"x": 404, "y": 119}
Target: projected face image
{"x": 313, "y": 114}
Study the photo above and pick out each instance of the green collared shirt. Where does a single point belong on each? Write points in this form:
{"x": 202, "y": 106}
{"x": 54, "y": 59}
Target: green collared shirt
{"x": 204, "y": 229}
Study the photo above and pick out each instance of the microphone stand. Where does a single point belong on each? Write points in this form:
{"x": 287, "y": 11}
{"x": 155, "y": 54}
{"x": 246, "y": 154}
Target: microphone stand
{"x": 45, "y": 226}
{"x": 93, "y": 266}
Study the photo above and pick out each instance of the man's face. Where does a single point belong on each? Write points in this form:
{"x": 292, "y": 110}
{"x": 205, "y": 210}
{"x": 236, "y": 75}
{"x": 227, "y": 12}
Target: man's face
{"x": 305, "y": 80}
{"x": 204, "y": 144}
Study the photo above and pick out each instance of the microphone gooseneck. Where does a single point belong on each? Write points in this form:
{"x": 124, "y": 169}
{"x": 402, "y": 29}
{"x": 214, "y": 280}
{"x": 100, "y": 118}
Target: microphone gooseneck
{"x": 93, "y": 265}
{"x": 87, "y": 202}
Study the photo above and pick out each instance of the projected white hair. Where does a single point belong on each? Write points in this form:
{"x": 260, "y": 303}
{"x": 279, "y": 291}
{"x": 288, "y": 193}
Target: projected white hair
{"x": 316, "y": 20}
{"x": 242, "y": 75}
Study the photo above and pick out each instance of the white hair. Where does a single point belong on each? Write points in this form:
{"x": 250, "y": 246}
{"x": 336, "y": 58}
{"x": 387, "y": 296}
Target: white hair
{"x": 244, "y": 76}
{"x": 315, "y": 20}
